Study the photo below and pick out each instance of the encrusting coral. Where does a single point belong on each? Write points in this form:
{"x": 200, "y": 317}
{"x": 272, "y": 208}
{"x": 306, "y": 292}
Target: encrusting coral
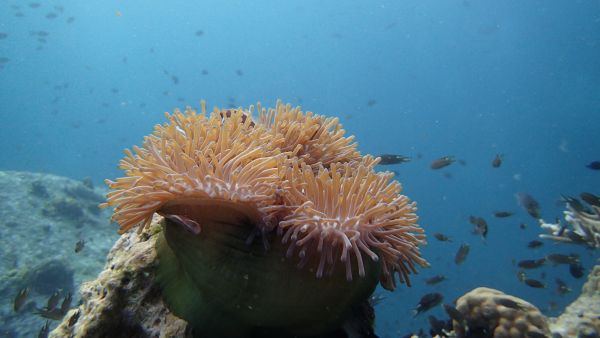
{"x": 491, "y": 313}
{"x": 267, "y": 221}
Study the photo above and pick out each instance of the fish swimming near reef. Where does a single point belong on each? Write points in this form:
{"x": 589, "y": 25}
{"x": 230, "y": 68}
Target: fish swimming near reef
{"x": 594, "y": 165}
{"x": 480, "y": 226}
{"x": 561, "y": 287}
{"x": 590, "y": 199}
{"x": 79, "y": 245}
{"x": 534, "y": 244}
{"x": 427, "y": 302}
{"x": 497, "y": 161}
{"x": 435, "y": 279}
{"x": 442, "y": 162}
{"x": 503, "y": 214}
{"x": 562, "y": 259}
{"x": 20, "y": 299}
{"x": 441, "y": 237}
{"x": 531, "y": 263}
{"x": 387, "y": 159}
{"x": 534, "y": 283}
{"x": 529, "y": 204}
{"x": 576, "y": 270}
{"x": 45, "y": 330}
{"x": 453, "y": 313}
{"x": 462, "y": 253}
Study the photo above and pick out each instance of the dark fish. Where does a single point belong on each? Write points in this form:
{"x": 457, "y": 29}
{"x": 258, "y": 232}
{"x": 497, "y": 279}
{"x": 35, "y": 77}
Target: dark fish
{"x": 534, "y": 283}
{"x": 561, "y": 287}
{"x": 529, "y": 204}
{"x": 71, "y": 19}
{"x": 575, "y": 204}
{"x": 239, "y": 72}
{"x": 387, "y": 159}
{"x": 521, "y": 275}
{"x": 437, "y": 326}
{"x": 376, "y": 299}
{"x": 480, "y": 226}
{"x": 453, "y": 313}
{"x": 427, "y": 302}
{"x": 497, "y": 161}
{"x": 175, "y": 79}
{"x": 503, "y": 214}
{"x": 442, "y": 162}
{"x": 54, "y": 314}
{"x": 79, "y": 245}
{"x": 45, "y": 330}
{"x": 441, "y": 237}
{"x": 187, "y": 223}
{"x": 576, "y": 270}
{"x": 53, "y": 300}
{"x": 594, "y": 165}
{"x": 4, "y": 59}
{"x": 523, "y": 226}
{"x": 204, "y": 72}
{"x": 534, "y": 244}
{"x": 535, "y": 334}
{"x": 3, "y": 35}
{"x": 435, "y": 279}
{"x": 34, "y": 5}
{"x": 74, "y": 318}
{"x": 371, "y": 103}
{"x": 462, "y": 253}
{"x": 590, "y": 199}
{"x": 199, "y": 33}
{"x": 563, "y": 259}
{"x": 20, "y": 299}
{"x": 531, "y": 263}
{"x": 51, "y": 15}
{"x": 66, "y": 303}
{"x": 509, "y": 303}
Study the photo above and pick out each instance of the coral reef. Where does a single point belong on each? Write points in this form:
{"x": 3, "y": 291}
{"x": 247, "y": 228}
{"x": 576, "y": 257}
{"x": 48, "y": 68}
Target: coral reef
{"x": 584, "y": 225}
{"x": 124, "y": 301}
{"x": 37, "y": 250}
{"x": 582, "y": 317}
{"x": 491, "y": 313}
{"x": 284, "y": 200}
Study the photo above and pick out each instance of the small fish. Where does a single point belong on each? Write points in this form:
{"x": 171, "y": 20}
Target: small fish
{"x": 563, "y": 259}
{"x": 427, "y": 302}
{"x": 199, "y": 33}
{"x": 376, "y": 299}
{"x": 497, "y": 161}
{"x": 453, "y": 313}
{"x": 79, "y": 245}
{"x": 441, "y": 237}
{"x": 118, "y": 13}
{"x": 575, "y": 204}
{"x": 204, "y": 72}
{"x": 66, "y": 303}
{"x": 576, "y": 270}
{"x": 534, "y": 283}
{"x": 45, "y": 330}
{"x": 534, "y": 244}
{"x": 3, "y": 35}
{"x": 71, "y": 19}
{"x": 529, "y": 204}
{"x": 187, "y": 223}
{"x": 594, "y": 165}
{"x": 371, "y": 103}
{"x": 435, "y": 279}
{"x": 531, "y": 263}
{"x": 51, "y": 15}
{"x": 561, "y": 287}
{"x": 481, "y": 226}
{"x": 34, "y": 5}
{"x": 239, "y": 72}
{"x": 521, "y": 275}
{"x": 20, "y": 299}
{"x": 387, "y": 159}
{"x": 462, "y": 253}
{"x": 437, "y": 326}
{"x": 509, "y": 303}
{"x": 503, "y": 214}
{"x": 590, "y": 199}
{"x": 74, "y": 318}
{"x": 523, "y": 226}
{"x": 54, "y": 314}
{"x": 442, "y": 162}
{"x": 536, "y": 334}
{"x": 175, "y": 79}
{"x": 53, "y": 300}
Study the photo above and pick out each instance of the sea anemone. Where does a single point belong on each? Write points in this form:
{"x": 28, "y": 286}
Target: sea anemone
{"x": 290, "y": 178}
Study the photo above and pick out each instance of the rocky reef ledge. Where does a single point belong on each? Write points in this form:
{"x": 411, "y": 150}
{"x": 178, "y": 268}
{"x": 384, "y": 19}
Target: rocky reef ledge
{"x": 124, "y": 301}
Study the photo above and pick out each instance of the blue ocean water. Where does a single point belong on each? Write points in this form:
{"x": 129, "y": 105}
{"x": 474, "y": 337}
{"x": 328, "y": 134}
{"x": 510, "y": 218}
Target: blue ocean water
{"x": 419, "y": 78}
